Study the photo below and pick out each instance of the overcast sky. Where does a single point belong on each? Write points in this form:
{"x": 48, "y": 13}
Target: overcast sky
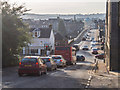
{"x": 63, "y": 6}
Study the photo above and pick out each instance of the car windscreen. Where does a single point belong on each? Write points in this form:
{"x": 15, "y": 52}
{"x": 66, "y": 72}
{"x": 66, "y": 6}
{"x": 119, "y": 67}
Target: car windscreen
{"x": 95, "y": 49}
{"x": 56, "y": 57}
{"x": 29, "y": 60}
{"x": 46, "y": 59}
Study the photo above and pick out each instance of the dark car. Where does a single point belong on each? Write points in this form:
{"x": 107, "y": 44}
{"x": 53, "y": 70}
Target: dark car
{"x": 100, "y": 56}
{"x": 83, "y": 39}
{"x": 51, "y": 64}
{"x": 85, "y": 48}
{"x": 102, "y": 48}
{"x": 94, "y": 51}
{"x": 32, "y": 65}
{"x": 76, "y": 47}
{"x": 80, "y": 58}
{"x": 102, "y": 43}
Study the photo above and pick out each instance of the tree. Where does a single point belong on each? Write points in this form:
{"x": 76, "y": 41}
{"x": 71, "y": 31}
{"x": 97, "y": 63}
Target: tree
{"x": 14, "y": 32}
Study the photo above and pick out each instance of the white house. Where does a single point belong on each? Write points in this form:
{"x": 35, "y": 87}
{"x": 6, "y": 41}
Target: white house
{"x": 42, "y": 38}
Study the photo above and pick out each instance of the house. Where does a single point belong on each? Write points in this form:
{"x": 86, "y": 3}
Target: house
{"x": 43, "y": 40}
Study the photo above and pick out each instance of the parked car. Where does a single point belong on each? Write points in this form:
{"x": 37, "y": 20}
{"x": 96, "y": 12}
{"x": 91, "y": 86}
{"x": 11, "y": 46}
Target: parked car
{"x": 102, "y": 43}
{"x": 94, "y": 51}
{"x": 102, "y": 48}
{"x": 92, "y": 38}
{"x": 85, "y": 48}
{"x": 80, "y": 57}
{"x": 100, "y": 56}
{"x": 76, "y": 46}
{"x": 89, "y": 31}
{"x": 51, "y": 64}
{"x": 32, "y": 65}
{"x": 94, "y": 42}
{"x": 92, "y": 46}
{"x": 83, "y": 39}
{"x": 59, "y": 60}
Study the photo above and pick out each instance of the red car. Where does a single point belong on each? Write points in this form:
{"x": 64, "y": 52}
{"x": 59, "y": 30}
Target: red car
{"x": 32, "y": 65}
{"x": 100, "y": 56}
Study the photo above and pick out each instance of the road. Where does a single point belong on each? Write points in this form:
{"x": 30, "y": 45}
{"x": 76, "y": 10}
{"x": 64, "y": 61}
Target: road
{"x": 79, "y": 37}
{"x": 73, "y": 76}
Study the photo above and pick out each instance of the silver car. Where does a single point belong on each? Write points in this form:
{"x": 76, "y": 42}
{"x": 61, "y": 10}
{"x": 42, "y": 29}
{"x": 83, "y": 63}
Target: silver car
{"x": 59, "y": 60}
{"x": 51, "y": 64}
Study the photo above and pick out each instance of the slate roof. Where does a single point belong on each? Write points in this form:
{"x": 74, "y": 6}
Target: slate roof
{"x": 44, "y": 32}
{"x": 58, "y": 36}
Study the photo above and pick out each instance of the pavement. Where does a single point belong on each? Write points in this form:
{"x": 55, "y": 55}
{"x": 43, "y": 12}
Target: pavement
{"x": 102, "y": 78}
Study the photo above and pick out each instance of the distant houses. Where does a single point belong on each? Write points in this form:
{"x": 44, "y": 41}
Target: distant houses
{"x": 72, "y": 26}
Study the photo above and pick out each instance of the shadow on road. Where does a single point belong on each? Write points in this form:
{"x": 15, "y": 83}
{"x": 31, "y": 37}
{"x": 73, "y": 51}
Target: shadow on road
{"x": 54, "y": 79}
{"x": 85, "y": 65}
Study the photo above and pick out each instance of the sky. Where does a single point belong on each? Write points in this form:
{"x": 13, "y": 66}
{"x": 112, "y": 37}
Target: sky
{"x": 63, "y": 6}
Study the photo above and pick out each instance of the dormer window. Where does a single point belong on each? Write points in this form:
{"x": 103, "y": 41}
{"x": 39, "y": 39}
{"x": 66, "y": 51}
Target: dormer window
{"x": 36, "y": 34}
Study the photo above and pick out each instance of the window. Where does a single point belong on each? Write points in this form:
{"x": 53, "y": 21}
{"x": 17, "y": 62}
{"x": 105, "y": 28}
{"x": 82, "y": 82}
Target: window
{"x": 34, "y": 50}
{"x": 38, "y": 33}
{"x": 46, "y": 59}
{"x": 35, "y": 34}
{"x": 62, "y": 48}
{"x": 25, "y": 60}
{"x": 56, "y": 57}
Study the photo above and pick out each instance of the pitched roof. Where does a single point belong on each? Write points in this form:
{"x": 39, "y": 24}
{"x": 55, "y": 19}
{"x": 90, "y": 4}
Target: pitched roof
{"x": 58, "y": 36}
{"x": 44, "y": 32}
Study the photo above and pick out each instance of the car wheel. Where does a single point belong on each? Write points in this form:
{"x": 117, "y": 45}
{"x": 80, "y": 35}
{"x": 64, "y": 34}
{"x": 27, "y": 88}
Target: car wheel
{"x": 39, "y": 73}
{"x": 20, "y": 74}
{"x": 63, "y": 65}
{"x": 56, "y": 68}
{"x": 51, "y": 69}
{"x": 45, "y": 71}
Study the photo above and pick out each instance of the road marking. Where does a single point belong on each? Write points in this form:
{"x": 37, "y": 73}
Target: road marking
{"x": 53, "y": 73}
{"x": 7, "y": 83}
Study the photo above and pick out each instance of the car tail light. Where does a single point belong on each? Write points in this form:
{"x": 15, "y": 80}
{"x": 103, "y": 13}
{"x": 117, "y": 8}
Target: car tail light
{"x": 60, "y": 60}
{"x": 37, "y": 65}
{"x": 20, "y": 64}
{"x": 49, "y": 59}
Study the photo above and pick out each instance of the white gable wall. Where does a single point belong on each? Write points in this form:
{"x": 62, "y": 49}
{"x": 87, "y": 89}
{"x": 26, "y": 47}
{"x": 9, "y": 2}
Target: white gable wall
{"x": 52, "y": 39}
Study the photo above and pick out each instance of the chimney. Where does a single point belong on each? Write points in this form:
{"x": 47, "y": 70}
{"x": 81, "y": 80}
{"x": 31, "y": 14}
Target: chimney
{"x": 50, "y": 26}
